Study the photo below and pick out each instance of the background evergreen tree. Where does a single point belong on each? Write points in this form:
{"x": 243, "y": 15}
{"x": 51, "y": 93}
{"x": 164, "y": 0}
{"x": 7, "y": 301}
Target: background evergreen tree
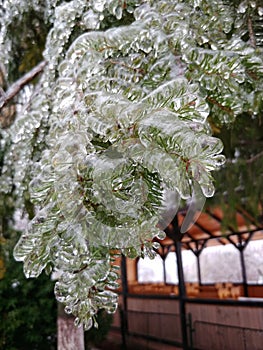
{"x": 27, "y": 307}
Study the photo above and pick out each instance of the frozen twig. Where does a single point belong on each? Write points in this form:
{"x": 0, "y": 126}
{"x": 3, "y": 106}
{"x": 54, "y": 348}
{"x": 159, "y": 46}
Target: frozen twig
{"x": 18, "y": 85}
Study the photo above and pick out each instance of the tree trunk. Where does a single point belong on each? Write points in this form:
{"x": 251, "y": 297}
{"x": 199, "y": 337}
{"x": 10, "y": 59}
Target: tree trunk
{"x": 70, "y": 337}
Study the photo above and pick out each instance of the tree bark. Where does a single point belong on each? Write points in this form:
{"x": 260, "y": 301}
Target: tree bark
{"x": 70, "y": 337}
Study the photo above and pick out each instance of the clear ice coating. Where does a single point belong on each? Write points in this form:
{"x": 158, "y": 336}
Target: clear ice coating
{"x": 117, "y": 130}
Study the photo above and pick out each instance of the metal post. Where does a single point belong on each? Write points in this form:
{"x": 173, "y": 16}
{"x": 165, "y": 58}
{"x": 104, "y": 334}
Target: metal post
{"x": 182, "y": 294}
{"x": 164, "y": 271}
{"x": 198, "y": 268}
{"x": 241, "y": 245}
{"x": 173, "y": 231}
{"x": 244, "y": 272}
{"x": 124, "y": 318}
{"x": 191, "y": 331}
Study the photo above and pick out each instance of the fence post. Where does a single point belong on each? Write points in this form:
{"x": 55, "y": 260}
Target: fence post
{"x": 191, "y": 331}
{"x": 173, "y": 231}
{"x": 123, "y": 310}
{"x": 123, "y": 329}
{"x": 182, "y": 294}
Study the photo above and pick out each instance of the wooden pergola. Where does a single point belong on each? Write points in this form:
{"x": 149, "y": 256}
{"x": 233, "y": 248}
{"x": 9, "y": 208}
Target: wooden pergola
{"x": 207, "y": 229}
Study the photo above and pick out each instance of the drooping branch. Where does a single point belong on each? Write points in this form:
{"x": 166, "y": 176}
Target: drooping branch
{"x": 223, "y": 108}
{"x": 257, "y": 156}
{"x": 2, "y": 93}
{"x": 19, "y": 84}
{"x": 251, "y": 33}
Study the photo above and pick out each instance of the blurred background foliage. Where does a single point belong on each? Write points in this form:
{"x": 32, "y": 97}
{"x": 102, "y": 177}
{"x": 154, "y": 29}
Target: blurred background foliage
{"x": 239, "y": 184}
{"x": 27, "y": 307}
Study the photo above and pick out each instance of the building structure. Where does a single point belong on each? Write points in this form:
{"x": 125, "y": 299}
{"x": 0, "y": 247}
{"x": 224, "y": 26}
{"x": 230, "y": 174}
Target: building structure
{"x": 195, "y": 315}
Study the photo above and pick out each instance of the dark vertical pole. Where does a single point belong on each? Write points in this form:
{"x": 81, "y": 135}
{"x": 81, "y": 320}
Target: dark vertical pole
{"x": 182, "y": 293}
{"x": 173, "y": 232}
{"x": 243, "y": 269}
{"x": 241, "y": 245}
{"x": 124, "y": 318}
{"x": 198, "y": 268}
{"x": 164, "y": 270}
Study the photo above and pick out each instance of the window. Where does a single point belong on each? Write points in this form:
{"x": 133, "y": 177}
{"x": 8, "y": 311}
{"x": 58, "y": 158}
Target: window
{"x": 150, "y": 270}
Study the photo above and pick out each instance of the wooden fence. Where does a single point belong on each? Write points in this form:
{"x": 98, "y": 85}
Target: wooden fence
{"x": 211, "y": 324}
